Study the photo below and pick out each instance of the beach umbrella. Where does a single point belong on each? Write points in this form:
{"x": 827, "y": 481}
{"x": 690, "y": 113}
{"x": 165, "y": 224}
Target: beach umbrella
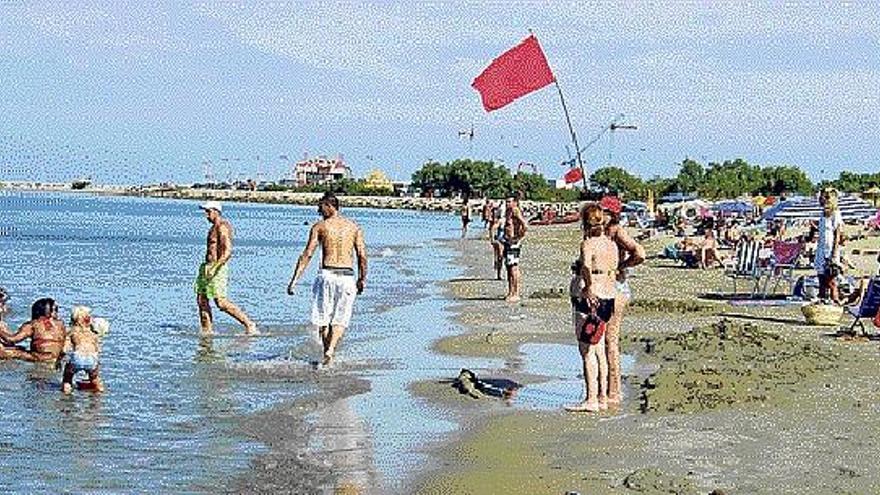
{"x": 732, "y": 207}
{"x": 851, "y": 208}
{"x": 635, "y": 206}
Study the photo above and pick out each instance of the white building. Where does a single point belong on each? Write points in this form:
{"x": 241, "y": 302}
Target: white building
{"x": 320, "y": 170}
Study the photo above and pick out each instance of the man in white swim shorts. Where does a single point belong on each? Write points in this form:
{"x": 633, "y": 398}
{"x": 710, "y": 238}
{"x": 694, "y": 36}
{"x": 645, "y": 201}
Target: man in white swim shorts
{"x": 335, "y": 288}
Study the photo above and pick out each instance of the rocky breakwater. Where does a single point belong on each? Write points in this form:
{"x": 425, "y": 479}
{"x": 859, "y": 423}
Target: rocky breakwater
{"x": 302, "y": 198}
{"x": 531, "y": 208}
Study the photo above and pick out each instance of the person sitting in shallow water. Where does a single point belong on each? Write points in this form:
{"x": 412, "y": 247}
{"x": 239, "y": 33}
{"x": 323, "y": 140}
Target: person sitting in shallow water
{"x": 4, "y": 298}
{"x": 83, "y": 347}
{"x": 45, "y": 331}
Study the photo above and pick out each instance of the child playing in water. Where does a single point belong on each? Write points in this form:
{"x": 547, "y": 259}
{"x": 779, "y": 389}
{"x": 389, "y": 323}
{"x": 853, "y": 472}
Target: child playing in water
{"x": 83, "y": 347}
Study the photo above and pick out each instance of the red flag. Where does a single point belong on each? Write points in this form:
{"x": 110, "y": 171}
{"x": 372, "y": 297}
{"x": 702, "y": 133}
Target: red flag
{"x": 517, "y": 72}
{"x": 573, "y": 175}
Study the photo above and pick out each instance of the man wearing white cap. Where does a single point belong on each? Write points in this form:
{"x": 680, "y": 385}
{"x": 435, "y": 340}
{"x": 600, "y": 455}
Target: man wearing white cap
{"x": 214, "y": 272}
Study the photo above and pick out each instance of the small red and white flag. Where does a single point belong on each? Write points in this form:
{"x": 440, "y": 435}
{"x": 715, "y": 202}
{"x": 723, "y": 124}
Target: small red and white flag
{"x": 573, "y": 175}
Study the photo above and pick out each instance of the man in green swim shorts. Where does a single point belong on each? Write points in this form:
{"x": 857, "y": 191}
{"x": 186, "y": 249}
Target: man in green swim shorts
{"x": 213, "y": 274}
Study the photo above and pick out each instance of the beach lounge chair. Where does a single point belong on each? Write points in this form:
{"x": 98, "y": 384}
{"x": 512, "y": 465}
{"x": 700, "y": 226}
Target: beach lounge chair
{"x": 866, "y": 306}
{"x": 744, "y": 265}
{"x": 689, "y": 258}
{"x": 784, "y": 261}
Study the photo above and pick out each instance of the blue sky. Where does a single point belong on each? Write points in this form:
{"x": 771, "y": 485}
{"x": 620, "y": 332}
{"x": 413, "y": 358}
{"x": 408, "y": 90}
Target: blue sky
{"x": 129, "y": 93}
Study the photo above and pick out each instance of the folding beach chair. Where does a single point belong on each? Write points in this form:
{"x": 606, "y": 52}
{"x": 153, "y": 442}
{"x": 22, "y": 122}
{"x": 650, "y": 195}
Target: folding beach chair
{"x": 785, "y": 259}
{"x": 745, "y": 265}
{"x": 866, "y": 306}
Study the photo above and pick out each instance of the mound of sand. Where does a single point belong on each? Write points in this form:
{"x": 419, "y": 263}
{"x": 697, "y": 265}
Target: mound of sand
{"x": 728, "y": 363}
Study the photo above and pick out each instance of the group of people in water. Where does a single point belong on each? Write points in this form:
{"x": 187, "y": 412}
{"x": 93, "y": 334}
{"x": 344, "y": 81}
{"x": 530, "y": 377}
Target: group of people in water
{"x": 51, "y": 342}
{"x": 333, "y": 292}
{"x": 78, "y": 348}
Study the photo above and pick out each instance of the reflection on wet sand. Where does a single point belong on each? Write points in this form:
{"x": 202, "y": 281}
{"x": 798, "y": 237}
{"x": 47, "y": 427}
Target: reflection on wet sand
{"x": 341, "y": 439}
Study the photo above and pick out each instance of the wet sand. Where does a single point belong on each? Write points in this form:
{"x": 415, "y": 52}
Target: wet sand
{"x": 293, "y": 464}
{"x": 759, "y": 404}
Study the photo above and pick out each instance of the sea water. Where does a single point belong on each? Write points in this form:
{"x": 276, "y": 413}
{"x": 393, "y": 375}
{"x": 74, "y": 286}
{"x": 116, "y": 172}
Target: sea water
{"x": 166, "y": 421}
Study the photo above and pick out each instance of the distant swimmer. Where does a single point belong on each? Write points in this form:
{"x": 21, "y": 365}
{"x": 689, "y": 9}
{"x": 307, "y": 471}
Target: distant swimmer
{"x": 465, "y": 216}
{"x": 45, "y": 331}
{"x": 486, "y": 216}
{"x": 83, "y": 348}
{"x": 496, "y": 236}
{"x": 213, "y": 276}
{"x": 4, "y": 298}
{"x": 334, "y": 290}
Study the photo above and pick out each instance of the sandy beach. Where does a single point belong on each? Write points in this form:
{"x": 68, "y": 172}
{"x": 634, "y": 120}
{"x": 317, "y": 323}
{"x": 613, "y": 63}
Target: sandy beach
{"x": 734, "y": 399}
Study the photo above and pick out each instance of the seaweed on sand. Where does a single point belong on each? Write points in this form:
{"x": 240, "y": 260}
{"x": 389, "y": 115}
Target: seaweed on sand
{"x": 678, "y": 306}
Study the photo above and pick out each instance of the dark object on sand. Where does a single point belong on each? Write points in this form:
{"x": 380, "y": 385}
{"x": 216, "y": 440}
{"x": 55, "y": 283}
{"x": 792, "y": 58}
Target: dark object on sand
{"x": 468, "y": 384}
{"x": 652, "y": 480}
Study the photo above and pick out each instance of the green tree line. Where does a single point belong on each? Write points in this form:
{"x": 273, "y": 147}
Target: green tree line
{"x": 728, "y": 179}
{"x": 475, "y": 178}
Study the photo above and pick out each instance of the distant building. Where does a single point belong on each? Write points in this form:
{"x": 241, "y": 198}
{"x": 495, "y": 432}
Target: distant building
{"x": 376, "y": 180}
{"x": 404, "y": 188}
{"x": 320, "y": 170}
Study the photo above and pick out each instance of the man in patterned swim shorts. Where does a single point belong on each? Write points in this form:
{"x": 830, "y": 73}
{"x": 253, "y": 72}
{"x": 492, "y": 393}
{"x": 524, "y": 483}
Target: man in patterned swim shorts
{"x": 213, "y": 276}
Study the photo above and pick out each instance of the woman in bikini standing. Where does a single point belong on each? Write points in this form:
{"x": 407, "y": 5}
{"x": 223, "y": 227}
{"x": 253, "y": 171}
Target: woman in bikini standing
{"x": 46, "y": 331}
{"x": 630, "y": 254}
{"x": 593, "y": 291}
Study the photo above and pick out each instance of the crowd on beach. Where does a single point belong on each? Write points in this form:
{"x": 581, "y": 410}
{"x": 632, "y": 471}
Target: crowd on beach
{"x": 599, "y": 289}
{"x": 820, "y": 243}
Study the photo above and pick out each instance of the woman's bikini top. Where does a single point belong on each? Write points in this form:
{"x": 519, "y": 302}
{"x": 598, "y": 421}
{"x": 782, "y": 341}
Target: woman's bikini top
{"x": 40, "y": 342}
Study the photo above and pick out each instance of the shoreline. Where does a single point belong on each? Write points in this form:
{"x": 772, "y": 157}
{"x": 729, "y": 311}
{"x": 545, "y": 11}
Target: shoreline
{"x": 309, "y": 441}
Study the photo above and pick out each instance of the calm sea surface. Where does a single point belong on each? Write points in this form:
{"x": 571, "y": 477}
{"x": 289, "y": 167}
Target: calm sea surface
{"x": 166, "y": 422}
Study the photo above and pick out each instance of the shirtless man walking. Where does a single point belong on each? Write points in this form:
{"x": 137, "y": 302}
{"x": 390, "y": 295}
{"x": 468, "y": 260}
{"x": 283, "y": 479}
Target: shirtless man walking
{"x": 334, "y": 290}
{"x": 514, "y": 231}
{"x": 213, "y": 275}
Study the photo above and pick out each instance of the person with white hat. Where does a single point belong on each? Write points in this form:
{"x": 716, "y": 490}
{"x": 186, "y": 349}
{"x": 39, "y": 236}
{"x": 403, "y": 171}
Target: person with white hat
{"x": 213, "y": 277}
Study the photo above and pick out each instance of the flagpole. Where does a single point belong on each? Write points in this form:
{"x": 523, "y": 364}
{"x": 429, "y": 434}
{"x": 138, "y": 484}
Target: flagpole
{"x": 573, "y": 135}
